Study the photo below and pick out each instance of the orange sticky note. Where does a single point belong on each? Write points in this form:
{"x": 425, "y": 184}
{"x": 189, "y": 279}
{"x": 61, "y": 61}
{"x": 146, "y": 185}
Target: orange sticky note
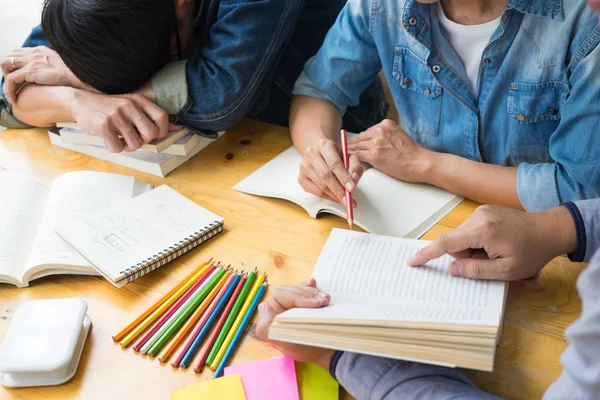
{"x": 228, "y": 387}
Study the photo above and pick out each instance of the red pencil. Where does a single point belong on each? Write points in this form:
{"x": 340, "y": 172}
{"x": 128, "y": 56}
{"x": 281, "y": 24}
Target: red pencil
{"x": 217, "y": 329}
{"x": 202, "y": 321}
{"x": 157, "y": 325}
{"x": 349, "y": 205}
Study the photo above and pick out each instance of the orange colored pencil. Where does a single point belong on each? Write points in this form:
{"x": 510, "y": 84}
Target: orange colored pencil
{"x": 195, "y": 317}
{"x": 119, "y": 336}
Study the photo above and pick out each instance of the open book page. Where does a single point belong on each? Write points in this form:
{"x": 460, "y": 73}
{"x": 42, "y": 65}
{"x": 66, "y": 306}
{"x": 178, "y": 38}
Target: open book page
{"x": 22, "y": 204}
{"x": 74, "y": 196}
{"x": 138, "y": 230}
{"x": 279, "y": 179}
{"x": 387, "y": 206}
{"x": 367, "y": 277}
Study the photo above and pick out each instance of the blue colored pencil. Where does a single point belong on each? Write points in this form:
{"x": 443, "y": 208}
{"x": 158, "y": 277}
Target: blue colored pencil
{"x": 185, "y": 362}
{"x": 240, "y": 331}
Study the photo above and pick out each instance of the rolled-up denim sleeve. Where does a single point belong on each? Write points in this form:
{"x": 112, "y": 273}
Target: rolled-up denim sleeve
{"x": 348, "y": 61}
{"x": 378, "y": 378}
{"x": 575, "y": 172}
{"x": 235, "y": 64}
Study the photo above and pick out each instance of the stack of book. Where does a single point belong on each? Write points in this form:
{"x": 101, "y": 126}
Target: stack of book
{"x": 159, "y": 157}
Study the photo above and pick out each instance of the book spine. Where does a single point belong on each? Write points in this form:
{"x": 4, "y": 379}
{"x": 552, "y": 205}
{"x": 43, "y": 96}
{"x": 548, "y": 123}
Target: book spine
{"x": 176, "y": 250}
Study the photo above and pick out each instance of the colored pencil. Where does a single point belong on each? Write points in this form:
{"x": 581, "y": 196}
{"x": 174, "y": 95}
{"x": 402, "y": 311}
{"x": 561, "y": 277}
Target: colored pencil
{"x": 189, "y": 324}
{"x": 346, "y": 156}
{"x": 201, "y": 289}
{"x": 138, "y": 346}
{"x": 231, "y": 318}
{"x": 193, "y": 342}
{"x": 183, "y": 315}
{"x": 136, "y": 322}
{"x": 131, "y": 336}
{"x": 217, "y": 329}
{"x": 238, "y": 321}
{"x": 240, "y": 330}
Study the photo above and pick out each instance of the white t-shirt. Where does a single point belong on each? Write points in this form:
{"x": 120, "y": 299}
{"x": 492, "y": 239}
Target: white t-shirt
{"x": 469, "y": 42}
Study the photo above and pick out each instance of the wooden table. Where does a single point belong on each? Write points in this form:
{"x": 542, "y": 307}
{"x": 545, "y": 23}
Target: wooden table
{"x": 276, "y": 236}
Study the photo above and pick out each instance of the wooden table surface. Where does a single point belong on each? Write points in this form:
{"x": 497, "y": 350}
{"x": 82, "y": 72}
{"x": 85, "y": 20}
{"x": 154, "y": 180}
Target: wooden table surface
{"x": 276, "y": 236}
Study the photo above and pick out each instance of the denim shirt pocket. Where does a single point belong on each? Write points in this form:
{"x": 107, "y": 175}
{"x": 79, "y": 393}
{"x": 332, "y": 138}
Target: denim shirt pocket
{"x": 417, "y": 93}
{"x": 534, "y": 111}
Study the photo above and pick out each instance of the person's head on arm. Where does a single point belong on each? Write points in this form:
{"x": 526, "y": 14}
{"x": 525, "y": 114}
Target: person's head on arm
{"x": 115, "y": 46}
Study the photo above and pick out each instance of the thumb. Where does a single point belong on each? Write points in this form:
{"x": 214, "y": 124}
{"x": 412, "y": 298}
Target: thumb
{"x": 474, "y": 268}
{"x": 355, "y": 169}
{"x": 266, "y": 314}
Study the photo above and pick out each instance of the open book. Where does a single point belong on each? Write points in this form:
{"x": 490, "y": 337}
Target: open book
{"x": 142, "y": 234}
{"x": 71, "y": 133}
{"x": 159, "y": 164}
{"x": 30, "y": 213}
{"x": 381, "y": 306}
{"x": 386, "y": 206}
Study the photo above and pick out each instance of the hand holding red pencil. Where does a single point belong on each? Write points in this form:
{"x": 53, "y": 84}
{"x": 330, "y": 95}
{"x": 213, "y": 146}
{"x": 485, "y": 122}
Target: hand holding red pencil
{"x": 322, "y": 171}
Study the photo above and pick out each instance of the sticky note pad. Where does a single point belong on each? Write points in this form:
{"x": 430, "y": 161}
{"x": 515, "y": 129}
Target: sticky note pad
{"x": 271, "y": 379}
{"x": 228, "y": 387}
{"x": 315, "y": 383}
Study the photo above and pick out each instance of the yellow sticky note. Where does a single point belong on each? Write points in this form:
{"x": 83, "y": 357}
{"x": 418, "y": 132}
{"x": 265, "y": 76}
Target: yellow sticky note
{"x": 315, "y": 383}
{"x": 228, "y": 387}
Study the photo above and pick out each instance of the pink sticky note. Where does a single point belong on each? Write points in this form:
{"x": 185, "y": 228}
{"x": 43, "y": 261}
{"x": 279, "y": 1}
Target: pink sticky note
{"x": 271, "y": 379}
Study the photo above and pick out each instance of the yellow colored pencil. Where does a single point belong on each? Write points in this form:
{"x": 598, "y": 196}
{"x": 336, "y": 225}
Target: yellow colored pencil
{"x": 237, "y": 322}
{"x": 194, "y": 318}
{"x": 128, "y": 328}
{"x": 162, "y": 308}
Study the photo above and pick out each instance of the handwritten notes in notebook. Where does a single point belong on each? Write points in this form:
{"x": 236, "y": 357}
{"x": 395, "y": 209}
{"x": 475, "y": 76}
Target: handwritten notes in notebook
{"x": 228, "y": 387}
{"x": 271, "y": 379}
{"x": 315, "y": 383}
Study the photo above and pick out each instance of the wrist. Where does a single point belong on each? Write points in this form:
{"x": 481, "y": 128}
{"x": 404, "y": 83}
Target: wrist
{"x": 431, "y": 165}
{"x": 324, "y": 359}
{"x": 559, "y": 228}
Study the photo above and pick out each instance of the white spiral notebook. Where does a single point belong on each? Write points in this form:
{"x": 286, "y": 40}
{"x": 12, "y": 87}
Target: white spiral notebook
{"x": 141, "y": 235}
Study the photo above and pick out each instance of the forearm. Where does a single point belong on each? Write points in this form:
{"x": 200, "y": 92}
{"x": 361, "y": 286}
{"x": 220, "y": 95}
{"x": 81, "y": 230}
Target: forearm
{"x": 480, "y": 182}
{"x": 44, "y": 106}
{"x": 313, "y": 119}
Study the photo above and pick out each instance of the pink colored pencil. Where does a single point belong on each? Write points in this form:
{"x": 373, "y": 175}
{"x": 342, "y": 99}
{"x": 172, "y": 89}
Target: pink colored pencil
{"x": 157, "y": 325}
{"x": 217, "y": 329}
{"x": 203, "y": 320}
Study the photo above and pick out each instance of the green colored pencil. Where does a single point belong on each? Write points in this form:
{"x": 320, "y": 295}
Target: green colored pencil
{"x": 232, "y": 315}
{"x": 184, "y": 314}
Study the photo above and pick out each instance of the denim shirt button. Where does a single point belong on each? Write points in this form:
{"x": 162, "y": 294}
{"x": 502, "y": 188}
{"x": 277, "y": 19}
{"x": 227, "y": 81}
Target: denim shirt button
{"x": 521, "y": 117}
{"x": 553, "y": 112}
{"x": 427, "y": 91}
{"x": 487, "y": 60}
{"x": 412, "y": 21}
{"x": 407, "y": 81}
{"x": 435, "y": 68}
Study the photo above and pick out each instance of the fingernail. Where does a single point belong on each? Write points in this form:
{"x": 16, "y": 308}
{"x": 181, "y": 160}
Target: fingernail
{"x": 356, "y": 177}
{"x": 349, "y": 186}
{"x": 456, "y": 269}
{"x": 322, "y": 296}
{"x": 261, "y": 308}
{"x": 411, "y": 260}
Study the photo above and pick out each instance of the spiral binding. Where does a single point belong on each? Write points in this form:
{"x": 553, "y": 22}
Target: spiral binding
{"x": 176, "y": 250}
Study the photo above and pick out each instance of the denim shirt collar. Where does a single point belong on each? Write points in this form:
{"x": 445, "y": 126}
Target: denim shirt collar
{"x": 551, "y": 9}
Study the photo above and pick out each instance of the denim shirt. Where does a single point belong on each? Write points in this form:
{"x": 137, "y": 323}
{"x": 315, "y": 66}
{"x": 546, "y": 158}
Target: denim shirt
{"x": 536, "y": 104}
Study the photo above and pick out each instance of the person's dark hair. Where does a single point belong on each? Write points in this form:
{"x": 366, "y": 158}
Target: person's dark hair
{"x": 112, "y": 45}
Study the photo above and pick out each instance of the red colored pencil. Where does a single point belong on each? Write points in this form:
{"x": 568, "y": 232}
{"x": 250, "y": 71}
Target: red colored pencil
{"x": 349, "y": 205}
{"x": 157, "y": 325}
{"x": 217, "y": 329}
{"x": 202, "y": 321}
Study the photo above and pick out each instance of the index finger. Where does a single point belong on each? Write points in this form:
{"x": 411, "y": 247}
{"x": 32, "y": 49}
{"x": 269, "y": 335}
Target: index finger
{"x": 156, "y": 114}
{"x": 288, "y": 297}
{"x": 363, "y": 136}
{"x": 452, "y": 242}
{"x": 336, "y": 165}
